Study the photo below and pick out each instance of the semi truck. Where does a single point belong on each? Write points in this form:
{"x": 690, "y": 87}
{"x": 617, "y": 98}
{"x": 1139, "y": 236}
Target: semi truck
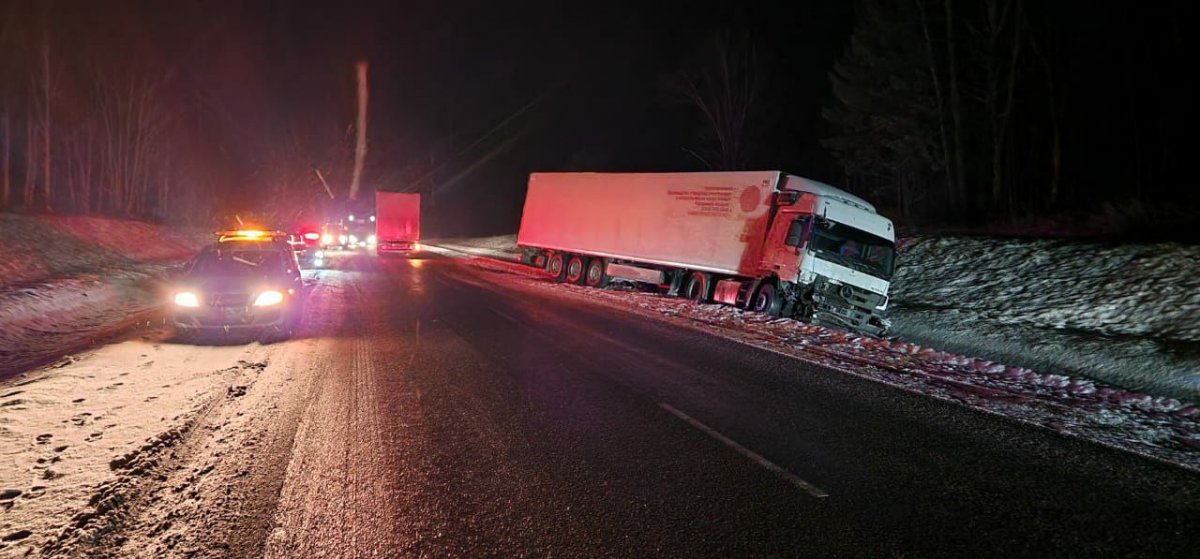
{"x": 397, "y": 223}
{"x": 766, "y": 241}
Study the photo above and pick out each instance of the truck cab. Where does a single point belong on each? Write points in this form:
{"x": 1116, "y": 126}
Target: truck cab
{"x": 835, "y": 253}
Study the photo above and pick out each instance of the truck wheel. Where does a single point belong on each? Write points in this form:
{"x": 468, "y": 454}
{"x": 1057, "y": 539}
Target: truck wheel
{"x": 699, "y": 287}
{"x": 767, "y": 301}
{"x": 557, "y": 266}
{"x": 575, "y": 269}
{"x": 596, "y": 275}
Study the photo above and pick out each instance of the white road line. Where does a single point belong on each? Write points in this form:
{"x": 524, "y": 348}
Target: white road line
{"x": 789, "y": 476}
{"x": 510, "y": 319}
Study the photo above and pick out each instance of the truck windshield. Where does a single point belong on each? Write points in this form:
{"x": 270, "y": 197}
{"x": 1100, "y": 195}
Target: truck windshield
{"x": 856, "y": 249}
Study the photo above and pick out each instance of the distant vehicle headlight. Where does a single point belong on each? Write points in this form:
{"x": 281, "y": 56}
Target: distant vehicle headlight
{"x": 319, "y": 255}
{"x": 187, "y": 299}
{"x": 268, "y": 298}
{"x": 353, "y": 240}
{"x": 371, "y": 239}
{"x": 327, "y": 239}
{"x": 341, "y": 239}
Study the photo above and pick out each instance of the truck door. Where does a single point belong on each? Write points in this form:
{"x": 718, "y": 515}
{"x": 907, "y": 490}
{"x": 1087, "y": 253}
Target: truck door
{"x": 784, "y": 243}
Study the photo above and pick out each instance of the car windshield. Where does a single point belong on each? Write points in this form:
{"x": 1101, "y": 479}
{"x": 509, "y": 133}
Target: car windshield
{"x": 855, "y": 248}
{"x": 238, "y": 263}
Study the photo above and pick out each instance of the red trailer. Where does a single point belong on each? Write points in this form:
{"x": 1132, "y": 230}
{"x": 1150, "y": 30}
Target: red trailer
{"x": 397, "y": 223}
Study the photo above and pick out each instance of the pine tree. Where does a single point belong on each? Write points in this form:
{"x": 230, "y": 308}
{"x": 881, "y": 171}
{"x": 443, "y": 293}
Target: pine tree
{"x": 886, "y": 113}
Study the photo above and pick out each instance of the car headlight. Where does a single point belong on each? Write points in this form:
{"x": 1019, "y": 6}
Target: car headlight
{"x": 187, "y": 299}
{"x": 327, "y": 239}
{"x": 320, "y": 254}
{"x": 268, "y": 298}
{"x": 341, "y": 239}
{"x": 371, "y": 239}
{"x": 353, "y": 240}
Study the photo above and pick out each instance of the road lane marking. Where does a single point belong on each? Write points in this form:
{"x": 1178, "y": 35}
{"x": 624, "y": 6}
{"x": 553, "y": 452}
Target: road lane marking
{"x": 789, "y": 476}
{"x": 509, "y": 318}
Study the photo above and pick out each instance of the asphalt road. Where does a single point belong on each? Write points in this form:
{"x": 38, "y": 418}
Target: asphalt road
{"x": 460, "y": 412}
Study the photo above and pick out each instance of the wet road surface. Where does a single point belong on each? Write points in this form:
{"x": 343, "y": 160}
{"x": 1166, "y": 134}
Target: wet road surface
{"x": 443, "y": 410}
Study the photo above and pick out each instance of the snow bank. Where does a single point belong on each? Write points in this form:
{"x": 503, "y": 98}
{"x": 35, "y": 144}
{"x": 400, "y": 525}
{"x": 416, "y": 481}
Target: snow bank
{"x": 41, "y": 247}
{"x": 503, "y": 247}
{"x": 1125, "y": 314}
{"x": 66, "y": 280}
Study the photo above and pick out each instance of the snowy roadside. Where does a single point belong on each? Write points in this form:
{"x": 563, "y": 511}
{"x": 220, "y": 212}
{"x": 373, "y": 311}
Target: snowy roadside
{"x": 1154, "y": 426}
{"x": 74, "y": 438}
{"x": 501, "y": 247}
{"x": 68, "y": 282}
{"x": 130, "y": 449}
{"x": 1125, "y": 314}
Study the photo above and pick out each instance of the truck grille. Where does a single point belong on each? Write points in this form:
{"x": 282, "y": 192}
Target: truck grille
{"x": 851, "y": 295}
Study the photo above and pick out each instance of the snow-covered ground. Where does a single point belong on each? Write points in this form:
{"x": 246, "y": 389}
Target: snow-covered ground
{"x": 73, "y": 432}
{"x": 1150, "y": 423}
{"x": 66, "y": 281}
{"x": 1125, "y": 314}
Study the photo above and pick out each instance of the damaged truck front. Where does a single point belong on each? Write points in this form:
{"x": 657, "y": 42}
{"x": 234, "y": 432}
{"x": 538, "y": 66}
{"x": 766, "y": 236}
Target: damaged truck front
{"x": 764, "y": 241}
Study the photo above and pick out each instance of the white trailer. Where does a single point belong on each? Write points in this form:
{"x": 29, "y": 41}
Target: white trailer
{"x": 768, "y": 241}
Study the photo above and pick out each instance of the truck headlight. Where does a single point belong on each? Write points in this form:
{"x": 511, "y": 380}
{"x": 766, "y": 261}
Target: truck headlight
{"x": 268, "y": 298}
{"x": 187, "y": 299}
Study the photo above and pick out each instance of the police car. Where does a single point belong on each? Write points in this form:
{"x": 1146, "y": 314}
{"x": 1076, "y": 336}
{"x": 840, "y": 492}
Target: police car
{"x": 246, "y": 282}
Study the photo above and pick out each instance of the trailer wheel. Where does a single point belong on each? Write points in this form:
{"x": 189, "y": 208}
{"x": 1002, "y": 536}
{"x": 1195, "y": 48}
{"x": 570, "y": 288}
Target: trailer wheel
{"x": 699, "y": 287}
{"x": 767, "y": 300}
{"x": 575, "y": 269}
{"x": 596, "y": 276}
{"x": 557, "y": 266}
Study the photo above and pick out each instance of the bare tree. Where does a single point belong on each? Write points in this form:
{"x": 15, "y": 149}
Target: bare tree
{"x": 1056, "y": 97}
{"x": 133, "y": 124}
{"x": 6, "y": 191}
{"x": 30, "y": 163}
{"x": 725, "y": 86}
{"x": 47, "y": 89}
{"x": 934, "y": 75}
{"x": 956, "y": 164}
{"x": 998, "y": 97}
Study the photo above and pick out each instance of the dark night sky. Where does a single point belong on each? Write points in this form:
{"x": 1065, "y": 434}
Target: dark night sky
{"x": 473, "y": 96}
{"x": 445, "y": 74}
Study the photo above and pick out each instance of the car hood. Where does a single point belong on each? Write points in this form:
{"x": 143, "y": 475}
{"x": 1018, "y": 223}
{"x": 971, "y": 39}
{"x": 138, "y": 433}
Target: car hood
{"x": 233, "y": 284}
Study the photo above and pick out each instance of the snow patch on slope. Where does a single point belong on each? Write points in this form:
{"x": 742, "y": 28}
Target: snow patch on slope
{"x": 1125, "y": 314}
{"x": 66, "y": 280}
